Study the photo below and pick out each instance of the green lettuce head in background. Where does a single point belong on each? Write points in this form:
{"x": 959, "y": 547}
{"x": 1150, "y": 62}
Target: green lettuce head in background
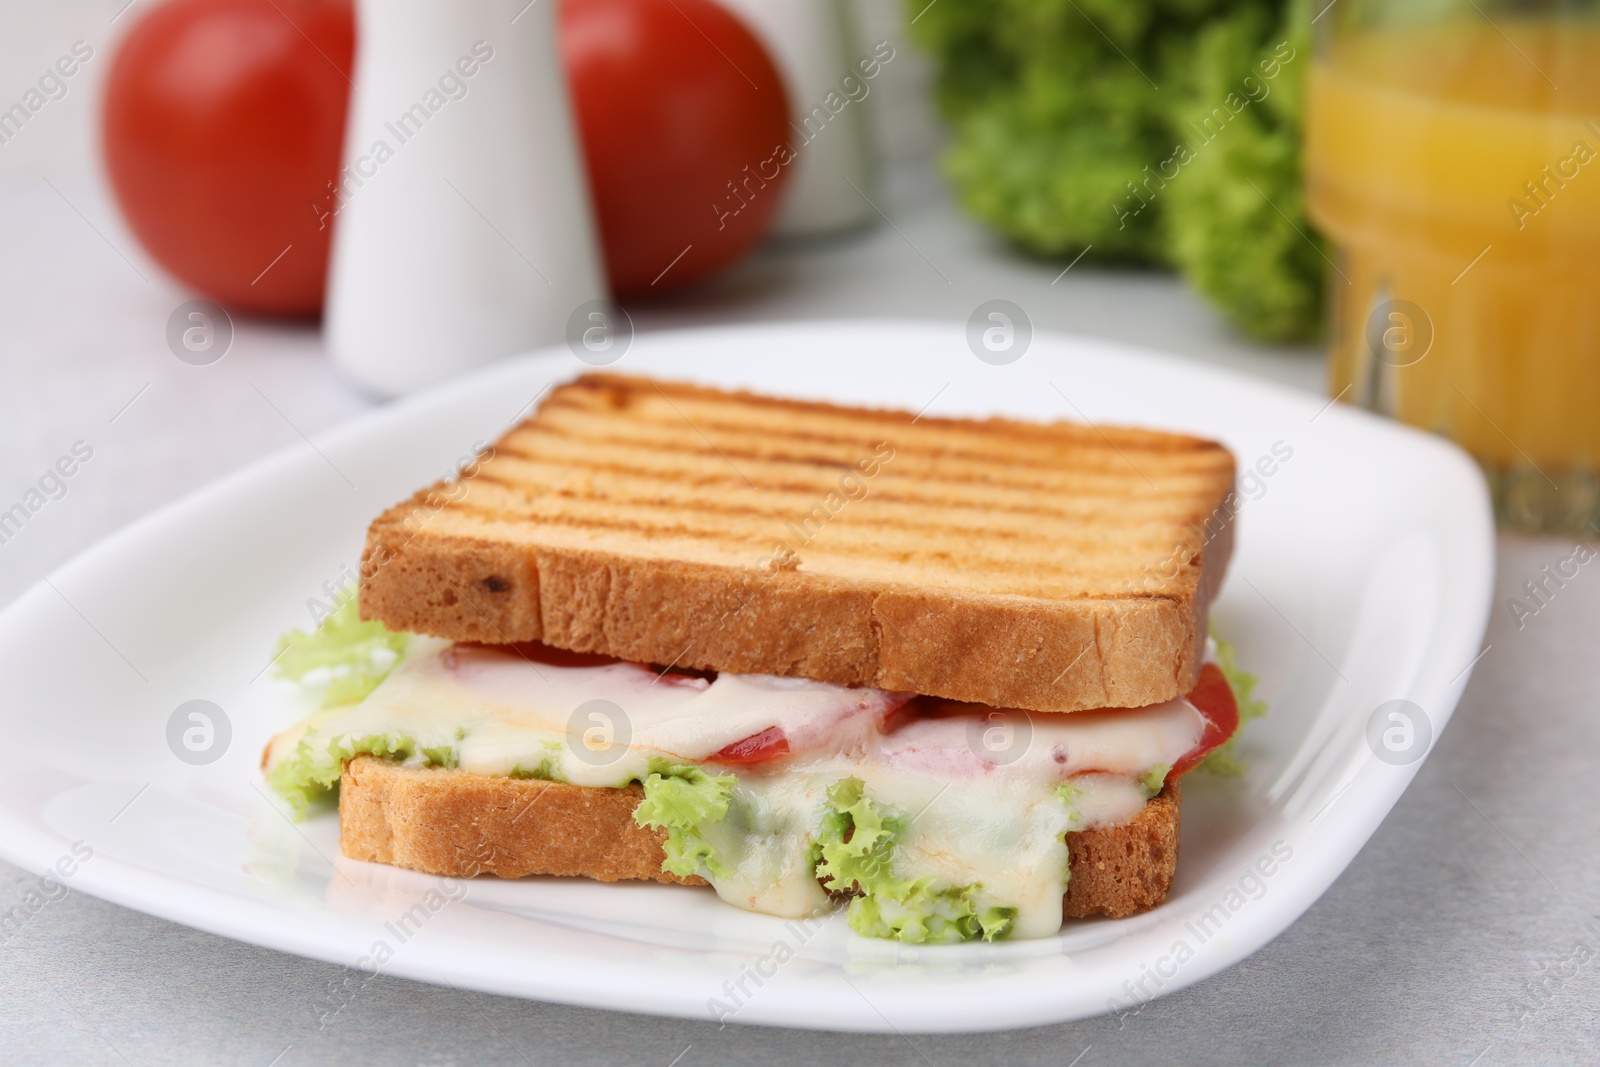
{"x": 1161, "y": 132}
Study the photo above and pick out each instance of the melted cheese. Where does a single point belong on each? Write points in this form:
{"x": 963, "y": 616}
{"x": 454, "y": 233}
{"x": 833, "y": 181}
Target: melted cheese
{"x": 977, "y": 786}
{"x": 501, "y": 713}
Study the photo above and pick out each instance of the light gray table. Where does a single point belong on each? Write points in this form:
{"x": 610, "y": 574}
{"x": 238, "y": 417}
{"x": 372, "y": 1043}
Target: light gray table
{"x": 1466, "y": 932}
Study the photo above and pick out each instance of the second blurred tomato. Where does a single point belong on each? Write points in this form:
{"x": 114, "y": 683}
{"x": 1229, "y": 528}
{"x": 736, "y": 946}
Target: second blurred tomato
{"x": 684, "y": 122}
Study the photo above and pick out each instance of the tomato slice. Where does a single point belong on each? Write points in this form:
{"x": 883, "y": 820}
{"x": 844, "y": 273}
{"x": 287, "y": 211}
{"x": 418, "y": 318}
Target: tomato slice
{"x": 767, "y": 745}
{"x": 1213, "y": 698}
{"x": 539, "y": 652}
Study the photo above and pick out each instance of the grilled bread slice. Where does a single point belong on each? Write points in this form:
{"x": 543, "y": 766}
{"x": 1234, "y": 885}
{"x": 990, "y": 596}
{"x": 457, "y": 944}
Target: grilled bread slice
{"x": 456, "y": 824}
{"x": 1051, "y": 567}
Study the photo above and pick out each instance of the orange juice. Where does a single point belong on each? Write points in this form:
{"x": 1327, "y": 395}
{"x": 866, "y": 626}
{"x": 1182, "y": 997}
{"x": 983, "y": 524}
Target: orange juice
{"x": 1456, "y": 169}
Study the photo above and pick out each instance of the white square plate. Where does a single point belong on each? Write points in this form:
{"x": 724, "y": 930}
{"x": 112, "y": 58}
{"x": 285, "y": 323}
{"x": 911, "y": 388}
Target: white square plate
{"x": 1362, "y": 575}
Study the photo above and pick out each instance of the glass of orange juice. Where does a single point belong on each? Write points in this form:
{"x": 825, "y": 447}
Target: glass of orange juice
{"x": 1453, "y": 160}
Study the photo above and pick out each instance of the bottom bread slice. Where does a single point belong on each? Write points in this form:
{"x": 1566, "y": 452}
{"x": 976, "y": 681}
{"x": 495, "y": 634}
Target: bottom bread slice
{"x": 457, "y": 824}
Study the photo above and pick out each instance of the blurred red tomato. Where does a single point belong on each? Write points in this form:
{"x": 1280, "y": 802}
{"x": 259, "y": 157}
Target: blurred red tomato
{"x": 685, "y": 127}
{"x": 224, "y": 121}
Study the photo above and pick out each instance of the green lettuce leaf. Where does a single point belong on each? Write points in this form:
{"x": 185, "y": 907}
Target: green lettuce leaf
{"x": 1151, "y": 781}
{"x": 442, "y": 756}
{"x": 344, "y": 658}
{"x": 545, "y": 769}
{"x": 1060, "y": 140}
{"x": 1068, "y": 794}
{"x": 548, "y": 769}
{"x": 312, "y": 771}
{"x": 1235, "y": 216}
{"x": 1223, "y": 760}
{"x": 855, "y": 850}
{"x": 682, "y": 799}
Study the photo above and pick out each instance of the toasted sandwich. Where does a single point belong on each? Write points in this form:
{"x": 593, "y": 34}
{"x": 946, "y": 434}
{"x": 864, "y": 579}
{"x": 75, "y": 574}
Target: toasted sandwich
{"x": 945, "y": 673}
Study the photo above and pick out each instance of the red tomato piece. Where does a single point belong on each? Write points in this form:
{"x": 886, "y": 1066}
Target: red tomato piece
{"x": 539, "y": 652}
{"x": 1213, "y": 697}
{"x": 769, "y": 744}
{"x": 685, "y": 127}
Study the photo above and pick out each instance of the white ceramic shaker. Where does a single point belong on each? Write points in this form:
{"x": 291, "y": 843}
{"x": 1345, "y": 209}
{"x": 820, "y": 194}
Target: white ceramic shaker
{"x": 463, "y": 231}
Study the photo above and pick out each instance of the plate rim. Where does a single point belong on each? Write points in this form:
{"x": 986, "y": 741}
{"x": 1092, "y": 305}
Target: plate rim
{"x": 249, "y": 920}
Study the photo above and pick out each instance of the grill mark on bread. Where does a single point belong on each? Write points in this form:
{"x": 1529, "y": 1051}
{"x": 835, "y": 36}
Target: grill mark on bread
{"x": 900, "y": 517}
{"x": 983, "y": 559}
{"x": 737, "y": 400}
{"x": 813, "y": 552}
{"x": 761, "y": 443}
{"x": 877, "y": 540}
{"x": 706, "y": 467}
{"x": 1061, "y": 579}
{"x": 893, "y": 512}
{"x": 842, "y": 425}
{"x": 899, "y": 489}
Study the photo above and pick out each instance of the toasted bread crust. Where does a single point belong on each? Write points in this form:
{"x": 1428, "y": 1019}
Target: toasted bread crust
{"x": 456, "y": 824}
{"x": 1054, "y": 568}
{"x": 1125, "y": 869}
